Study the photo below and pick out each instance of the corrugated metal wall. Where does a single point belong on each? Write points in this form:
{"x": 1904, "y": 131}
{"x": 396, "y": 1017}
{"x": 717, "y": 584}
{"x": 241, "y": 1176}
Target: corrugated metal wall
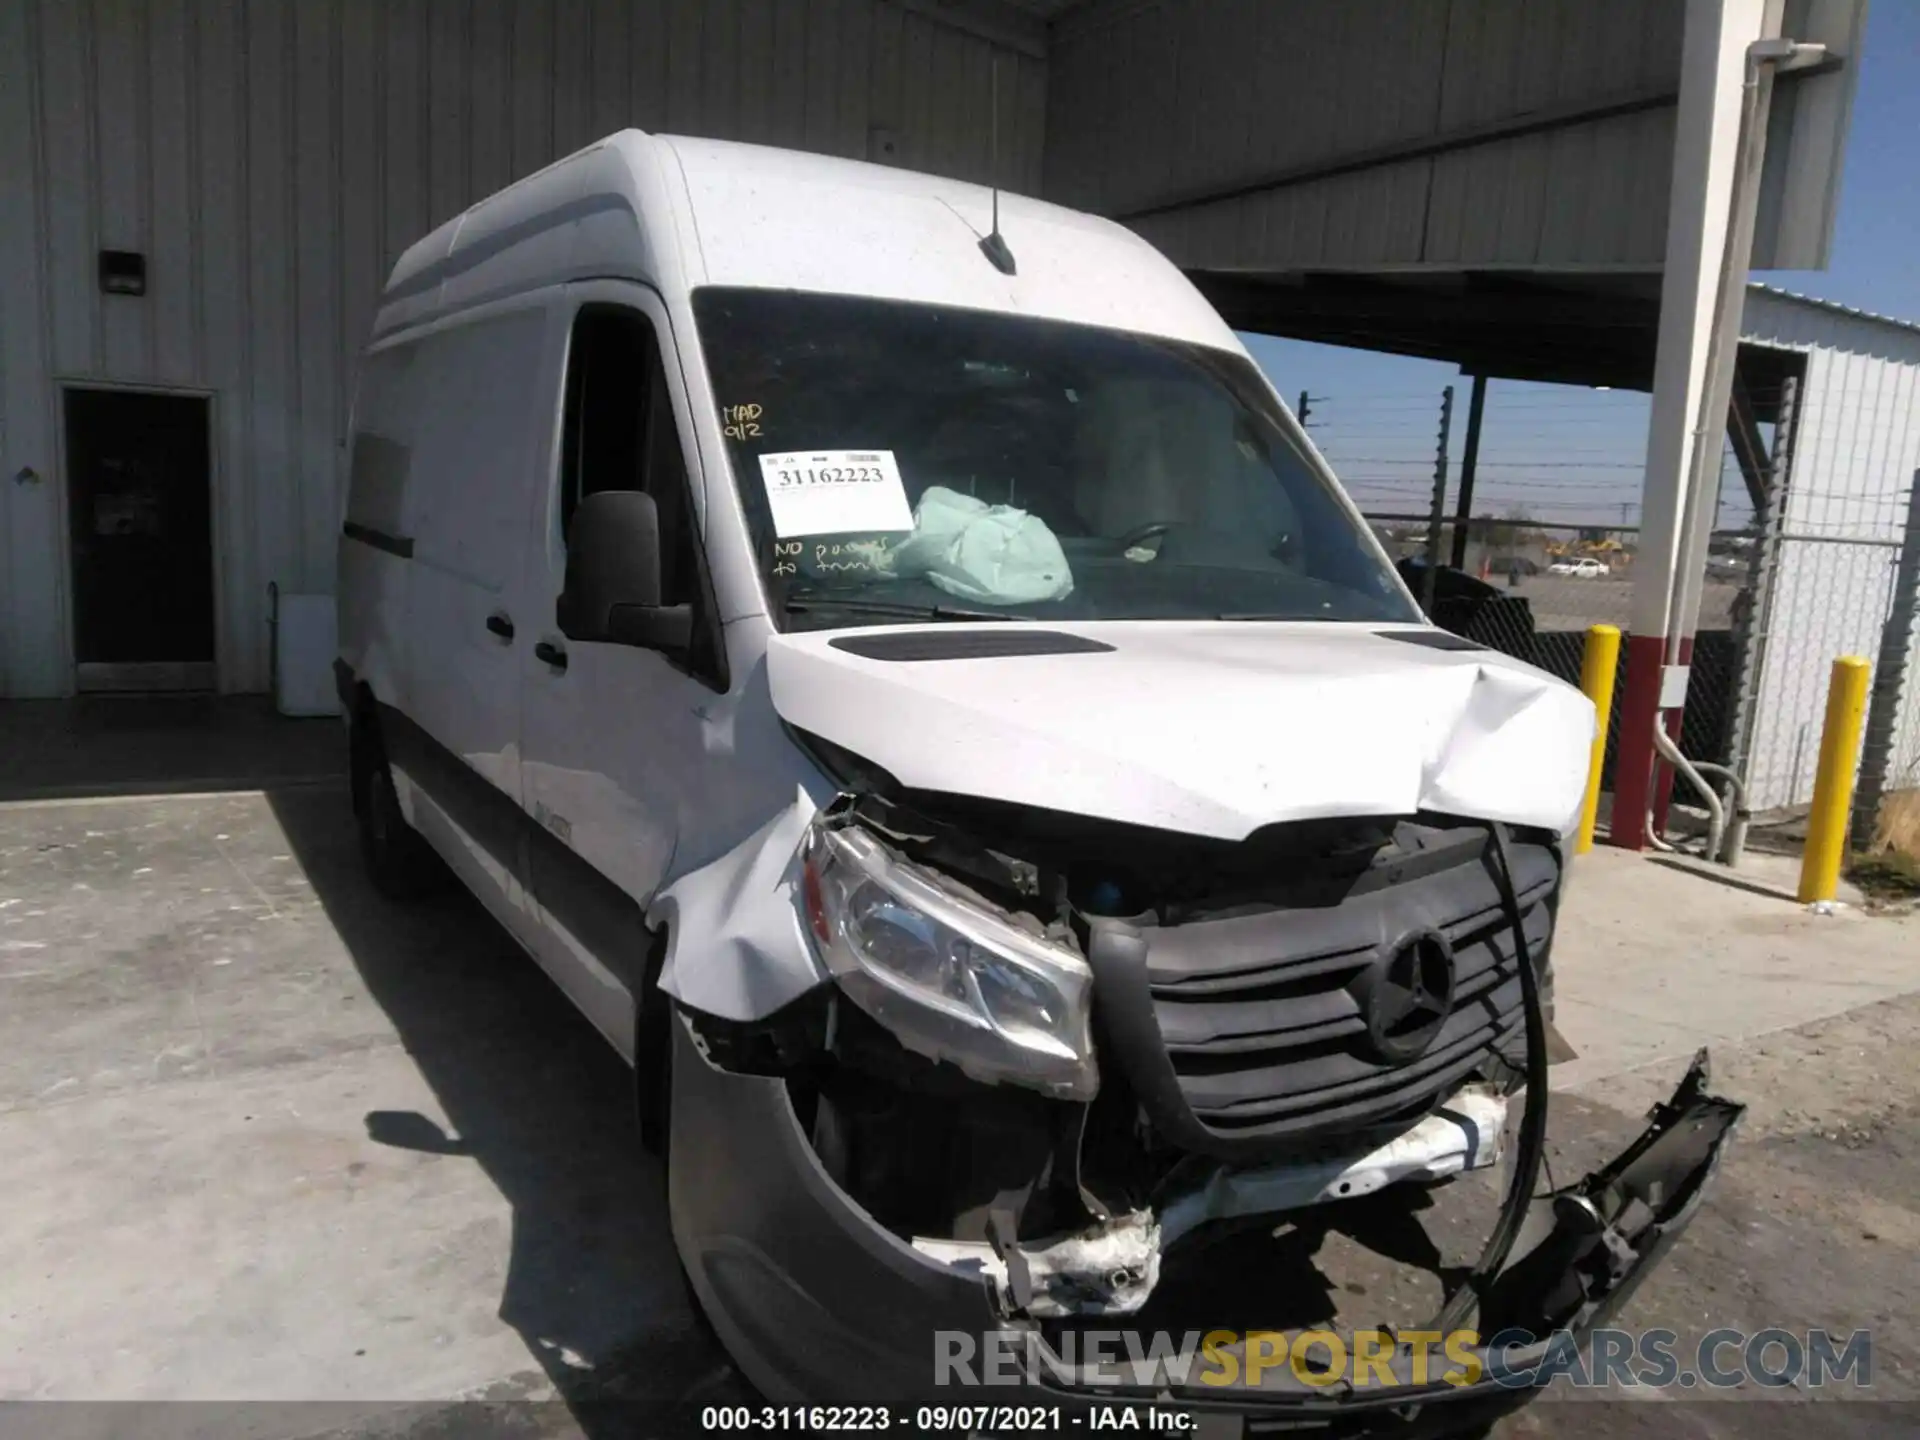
{"x": 273, "y": 158}
{"x": 1152, "y": 100}
{"x": 1855, "y": 451}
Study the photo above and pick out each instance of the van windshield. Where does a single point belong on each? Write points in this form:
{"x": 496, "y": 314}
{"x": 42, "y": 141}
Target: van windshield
{"x": 909, "y": 462}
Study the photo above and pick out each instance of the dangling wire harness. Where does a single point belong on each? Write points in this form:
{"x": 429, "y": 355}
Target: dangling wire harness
{"x": 1532, "y": 1149}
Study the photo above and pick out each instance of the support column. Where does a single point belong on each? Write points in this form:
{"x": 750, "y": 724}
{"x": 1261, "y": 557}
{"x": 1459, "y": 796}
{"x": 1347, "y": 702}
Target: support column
{"x": 1700, "y": 201}
{"x": 1469, "y": 467}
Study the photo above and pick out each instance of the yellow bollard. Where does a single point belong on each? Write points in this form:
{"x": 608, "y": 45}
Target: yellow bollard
{"x": 1597, "y": 664}
{"x": 1833, "y": 783}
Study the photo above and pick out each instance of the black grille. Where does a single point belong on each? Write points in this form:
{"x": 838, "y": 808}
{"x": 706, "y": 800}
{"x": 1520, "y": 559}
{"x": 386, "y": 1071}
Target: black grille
{"x": 1244, "y": 1031}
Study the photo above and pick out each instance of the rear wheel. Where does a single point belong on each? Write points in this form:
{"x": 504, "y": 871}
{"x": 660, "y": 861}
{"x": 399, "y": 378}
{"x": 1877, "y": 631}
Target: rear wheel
{"x": 400, "y": 863}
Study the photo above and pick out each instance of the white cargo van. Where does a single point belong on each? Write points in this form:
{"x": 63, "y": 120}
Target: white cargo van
{"x": 920, "y": 694}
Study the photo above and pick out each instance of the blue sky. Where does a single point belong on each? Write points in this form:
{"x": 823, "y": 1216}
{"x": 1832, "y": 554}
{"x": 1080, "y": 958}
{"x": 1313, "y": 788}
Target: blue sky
{"x": 1573, "y": 456}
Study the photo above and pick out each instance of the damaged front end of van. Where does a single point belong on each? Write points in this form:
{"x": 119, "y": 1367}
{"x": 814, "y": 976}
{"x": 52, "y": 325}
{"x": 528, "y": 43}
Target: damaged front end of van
{"x": 1083, "y": 1048}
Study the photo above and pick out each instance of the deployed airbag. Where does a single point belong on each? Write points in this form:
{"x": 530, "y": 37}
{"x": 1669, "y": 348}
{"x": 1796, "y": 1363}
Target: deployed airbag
{"x": 993, "y": 553}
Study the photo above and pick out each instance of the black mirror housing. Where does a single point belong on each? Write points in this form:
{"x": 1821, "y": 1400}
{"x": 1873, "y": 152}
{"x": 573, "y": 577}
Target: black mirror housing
{"x": 613, "y": 584}
{"x": 668, "y": 628}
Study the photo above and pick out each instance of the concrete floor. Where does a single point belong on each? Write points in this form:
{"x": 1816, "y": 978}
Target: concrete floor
{"x": 1657, "y": 957}
{"x": 270, "y": 1138}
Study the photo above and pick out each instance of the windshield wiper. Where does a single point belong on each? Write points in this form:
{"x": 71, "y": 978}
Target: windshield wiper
{"x": 802, "y": 604}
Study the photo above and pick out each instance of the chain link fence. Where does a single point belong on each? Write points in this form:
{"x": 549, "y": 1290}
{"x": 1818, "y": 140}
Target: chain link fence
{"x": 1815, "y": 554}
{"x": 1843, "y": 566}
{"x": 1537, "y": 560}
{"x": 1532, "y": 591}
{"x": 1890, "y": 749}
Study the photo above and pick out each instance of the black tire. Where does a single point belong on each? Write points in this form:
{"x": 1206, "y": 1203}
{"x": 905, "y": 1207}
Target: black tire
{"x": 653, "y": 1055}
{"x": 653, "y": 1043}
{"x": 400, "y": 863}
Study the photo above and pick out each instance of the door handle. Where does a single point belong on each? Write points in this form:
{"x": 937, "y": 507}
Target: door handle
{"x": 546, "y": 650}
{"x": 501, "y": 625}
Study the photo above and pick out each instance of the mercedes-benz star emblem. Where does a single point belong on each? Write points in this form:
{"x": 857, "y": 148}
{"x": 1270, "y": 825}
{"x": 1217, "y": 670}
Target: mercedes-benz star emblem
{"x": 1409, "y": 997}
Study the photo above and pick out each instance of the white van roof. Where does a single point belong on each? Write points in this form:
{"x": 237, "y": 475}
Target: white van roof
{"x": 720, "y": 213}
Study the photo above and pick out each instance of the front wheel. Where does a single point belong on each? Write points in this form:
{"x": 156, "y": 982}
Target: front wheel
{"x": 399, "y": 861}
{"x": 653, "y": 1048}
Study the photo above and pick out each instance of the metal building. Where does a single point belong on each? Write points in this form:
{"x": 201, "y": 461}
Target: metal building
{"x": 199, "y": 198}
{"x": 1847, "y": 513}
{"x": 268, "y": 162}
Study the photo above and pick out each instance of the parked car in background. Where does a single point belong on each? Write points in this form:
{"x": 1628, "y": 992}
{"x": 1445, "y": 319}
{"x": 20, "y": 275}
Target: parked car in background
{"x": 1584, "y": 568}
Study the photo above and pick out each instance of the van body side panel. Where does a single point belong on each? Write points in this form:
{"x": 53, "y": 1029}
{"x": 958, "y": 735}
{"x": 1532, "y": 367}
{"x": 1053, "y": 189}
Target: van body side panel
{"x": 616, "y": 745}
{"x": 373, "y": 574}
{"x": 470, "y": 479}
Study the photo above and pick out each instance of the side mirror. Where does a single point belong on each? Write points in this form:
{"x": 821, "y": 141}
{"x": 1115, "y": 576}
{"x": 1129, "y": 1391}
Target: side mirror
{"x": 612, "y": 590}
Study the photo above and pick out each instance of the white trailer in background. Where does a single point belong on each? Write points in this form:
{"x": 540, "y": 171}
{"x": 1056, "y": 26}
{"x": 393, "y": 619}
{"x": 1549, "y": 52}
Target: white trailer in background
{"x": 1848, "y": 509}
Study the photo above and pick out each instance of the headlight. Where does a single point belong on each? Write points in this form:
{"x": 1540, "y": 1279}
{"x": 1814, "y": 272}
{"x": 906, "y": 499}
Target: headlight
{"x": 951, "y": 978}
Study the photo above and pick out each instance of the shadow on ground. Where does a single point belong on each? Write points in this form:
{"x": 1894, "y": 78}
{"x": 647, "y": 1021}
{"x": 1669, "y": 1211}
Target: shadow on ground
{"x": 97, "y": 745}
{"x": 537, "y": 1099}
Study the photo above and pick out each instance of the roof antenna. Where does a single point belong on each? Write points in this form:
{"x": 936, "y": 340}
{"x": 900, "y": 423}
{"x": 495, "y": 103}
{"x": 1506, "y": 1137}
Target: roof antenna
{"x": 994, "y": 247}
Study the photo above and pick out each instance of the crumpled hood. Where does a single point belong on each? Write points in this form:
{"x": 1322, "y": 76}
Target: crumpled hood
{"x": 1207, "y": 728}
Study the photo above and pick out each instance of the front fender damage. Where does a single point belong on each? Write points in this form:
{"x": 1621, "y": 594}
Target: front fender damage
{"x": 738, "y": 913}
{"x": 1074, "y": 1212}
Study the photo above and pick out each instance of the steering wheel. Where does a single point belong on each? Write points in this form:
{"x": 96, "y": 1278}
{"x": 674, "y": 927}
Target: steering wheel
{"x": 1140, "y": 534}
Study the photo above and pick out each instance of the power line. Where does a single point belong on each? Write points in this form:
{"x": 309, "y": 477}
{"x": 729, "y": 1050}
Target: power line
{"x": 1551, "y": 485}
{"x": 1500, "y": 464}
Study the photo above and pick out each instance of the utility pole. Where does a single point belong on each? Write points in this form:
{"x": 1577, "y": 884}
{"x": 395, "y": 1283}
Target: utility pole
{"x": 1469, "y": 464}
{"x": 1439, "y": 511}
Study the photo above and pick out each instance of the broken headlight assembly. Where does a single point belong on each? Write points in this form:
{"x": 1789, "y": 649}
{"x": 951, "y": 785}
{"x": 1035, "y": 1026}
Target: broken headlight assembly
{"x": 951, "y": 976}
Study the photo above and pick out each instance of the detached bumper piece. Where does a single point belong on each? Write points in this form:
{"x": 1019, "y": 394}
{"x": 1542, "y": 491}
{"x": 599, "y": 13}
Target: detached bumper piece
{"x": 1582, "y": 1253}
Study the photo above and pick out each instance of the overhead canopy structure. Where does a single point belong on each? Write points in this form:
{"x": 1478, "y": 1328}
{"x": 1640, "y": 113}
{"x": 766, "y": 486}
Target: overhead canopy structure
{"x": 1596, "y": 330}
{"x": 1573, "y": 329}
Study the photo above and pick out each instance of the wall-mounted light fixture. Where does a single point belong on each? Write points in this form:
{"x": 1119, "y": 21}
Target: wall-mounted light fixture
{"x": 123, "y": 272}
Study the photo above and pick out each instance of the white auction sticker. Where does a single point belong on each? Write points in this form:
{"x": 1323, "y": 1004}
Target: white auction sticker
{"x": 834, "y": 492}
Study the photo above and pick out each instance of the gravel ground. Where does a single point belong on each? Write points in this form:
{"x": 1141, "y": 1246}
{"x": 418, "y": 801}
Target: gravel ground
{"x": 1814, "y": 1222}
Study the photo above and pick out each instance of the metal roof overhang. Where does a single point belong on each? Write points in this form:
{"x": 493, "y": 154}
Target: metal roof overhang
{"x": 1575, "y": 329}
{"x": 1557, "y": 327}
